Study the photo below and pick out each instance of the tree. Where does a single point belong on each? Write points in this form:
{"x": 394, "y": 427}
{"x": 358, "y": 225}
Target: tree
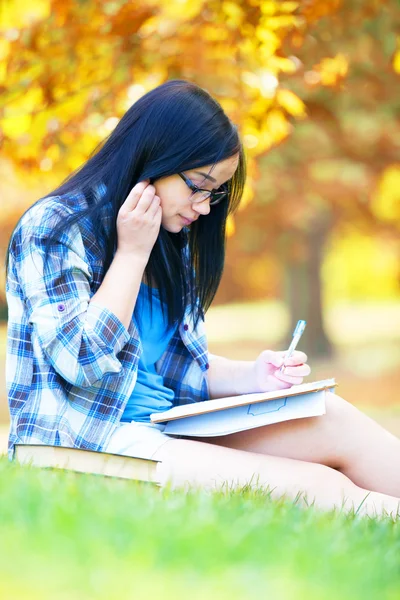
{"x": 70, "y": 70}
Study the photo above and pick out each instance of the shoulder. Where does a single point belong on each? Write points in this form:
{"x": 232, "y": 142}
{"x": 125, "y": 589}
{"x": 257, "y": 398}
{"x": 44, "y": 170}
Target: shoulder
{"x": 49, "y": 230}
{"x": 46, "y": 213}
{"x": 53, "y": 217}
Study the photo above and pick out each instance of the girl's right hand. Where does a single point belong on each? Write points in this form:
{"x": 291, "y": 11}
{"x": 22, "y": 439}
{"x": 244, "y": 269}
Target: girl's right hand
{"x": 139, "y": 221}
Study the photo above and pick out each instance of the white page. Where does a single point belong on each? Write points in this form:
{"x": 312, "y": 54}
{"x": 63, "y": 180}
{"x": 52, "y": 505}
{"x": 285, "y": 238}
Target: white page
{"x": 206, "y": 406}
{"x": 240, "y": 418}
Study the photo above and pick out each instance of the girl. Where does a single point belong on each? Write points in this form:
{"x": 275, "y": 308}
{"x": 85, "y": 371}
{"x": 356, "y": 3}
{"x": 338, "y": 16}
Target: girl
{"x": 108, "y": 281}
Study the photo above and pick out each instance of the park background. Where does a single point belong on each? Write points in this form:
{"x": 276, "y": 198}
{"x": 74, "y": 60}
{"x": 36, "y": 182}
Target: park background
{"x": 313, "y": 87}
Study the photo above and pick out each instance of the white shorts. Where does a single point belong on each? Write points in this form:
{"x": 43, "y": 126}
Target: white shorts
{"x": 138, "y": 439}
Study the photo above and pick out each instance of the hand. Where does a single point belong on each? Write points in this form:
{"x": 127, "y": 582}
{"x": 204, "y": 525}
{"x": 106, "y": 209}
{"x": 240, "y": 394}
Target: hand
{"x": 139, "y": 221}
{"x": 267, "y": 375}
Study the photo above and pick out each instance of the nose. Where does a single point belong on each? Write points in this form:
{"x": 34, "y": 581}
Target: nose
{"x": 203, "y": 208}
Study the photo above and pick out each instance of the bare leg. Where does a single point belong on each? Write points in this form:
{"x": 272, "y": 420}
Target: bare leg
{"x": 189, "y": 463}
{"x": 344, "y": 438}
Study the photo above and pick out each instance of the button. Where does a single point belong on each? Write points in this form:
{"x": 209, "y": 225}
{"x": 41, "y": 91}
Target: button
{"x": 207, "y": 366}
{"x": 186, "y": 327}
{"x": 61, "y": 307}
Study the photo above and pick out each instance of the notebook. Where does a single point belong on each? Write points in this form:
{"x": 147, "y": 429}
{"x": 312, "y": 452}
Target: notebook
{"x": 223, "y": 416}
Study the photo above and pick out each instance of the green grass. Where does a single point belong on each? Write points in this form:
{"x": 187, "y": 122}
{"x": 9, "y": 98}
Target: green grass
{"x": 70, "y": 536}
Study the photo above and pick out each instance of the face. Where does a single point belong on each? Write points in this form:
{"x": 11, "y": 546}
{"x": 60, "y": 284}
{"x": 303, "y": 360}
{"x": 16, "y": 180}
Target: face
{"x": 174, "y": 193}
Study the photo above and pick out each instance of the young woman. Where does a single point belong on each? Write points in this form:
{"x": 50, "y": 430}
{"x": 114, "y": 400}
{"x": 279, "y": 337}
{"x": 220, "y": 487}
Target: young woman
{"x": 108, "y": 281}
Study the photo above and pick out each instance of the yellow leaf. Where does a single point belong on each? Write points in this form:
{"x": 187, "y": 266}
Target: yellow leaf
{"x": 291, "y": 103}
{"x": 279, "y": 63}
{"x": 53, "y": 152}
{"x": 230, "y": 226}
{"x": 280, "y": 21}
{"x": 332, "y": 69}
{"x": 229, "y": 105}
{"x": 3, "y": 71}
{"x": 29, "y": 150}
{"x": 180, "y": 9}
{"x": 149, "y": 27}
{"x": 40, "y": 125}
{"x": 67, "y": 137}
{"x": 4, "y": 49}
{"x": 260, "y": 106}
{"x": 396, "y": 61}
{"x": 15, "y": 126}
{"x": 277, "y": 125}
{"x": 346, "y": 277}
{"x": 386, "y": 200}
{"x": 21, "y": 13}
{"x": 268, "y": 8}
{"x": 287, "y": 7}
{"x": 248, "y": 195}
{"x": 210, "y": 33}
{"x": 268, "y": 37}
{"x": 30, "y": 100}
{"x": 233, "y": 11}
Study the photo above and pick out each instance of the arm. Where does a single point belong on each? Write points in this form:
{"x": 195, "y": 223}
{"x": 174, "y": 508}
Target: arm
{"x": 80, "y": 338}
{"x": 120, "y": 287}
{"x": 234, "y": 377}
{"x": 228, "y": 377}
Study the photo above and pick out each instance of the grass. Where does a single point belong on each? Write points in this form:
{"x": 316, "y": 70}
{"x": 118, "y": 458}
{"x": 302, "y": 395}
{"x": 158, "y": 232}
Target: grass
{"x": 65, "y": 535}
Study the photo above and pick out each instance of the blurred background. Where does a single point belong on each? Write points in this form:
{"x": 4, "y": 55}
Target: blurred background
{"x": 313, "y": 87}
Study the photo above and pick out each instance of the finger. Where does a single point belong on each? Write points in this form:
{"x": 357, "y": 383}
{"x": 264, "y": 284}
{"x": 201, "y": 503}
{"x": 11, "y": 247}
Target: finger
{"x": 146, "y": 199}
{"x": 274, "y": 358}
{"x": 288, "y": 379}
{"x": 299, "y": 371}
{"x": 282, "y": 385}
{"x": 154, "y": 206}
{"x": 134, "y": 195}
{"x": 297, "y": 358}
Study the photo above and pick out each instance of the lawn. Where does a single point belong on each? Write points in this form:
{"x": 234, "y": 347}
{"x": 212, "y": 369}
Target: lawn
{"x": 70, "y": 536}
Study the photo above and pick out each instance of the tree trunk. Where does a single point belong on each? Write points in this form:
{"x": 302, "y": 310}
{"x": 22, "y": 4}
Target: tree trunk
{"x": 303, "y": 289}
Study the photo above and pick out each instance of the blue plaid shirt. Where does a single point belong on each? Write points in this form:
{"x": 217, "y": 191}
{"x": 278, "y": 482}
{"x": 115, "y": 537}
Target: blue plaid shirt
{"x": 71, "y": 365}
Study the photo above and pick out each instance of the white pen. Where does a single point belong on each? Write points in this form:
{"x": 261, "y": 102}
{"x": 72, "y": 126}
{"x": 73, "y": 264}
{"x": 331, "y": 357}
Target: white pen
{"x": 298, "y": 332}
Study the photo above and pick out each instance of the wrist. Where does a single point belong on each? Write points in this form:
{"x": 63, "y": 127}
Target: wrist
{"x": 244, "y": 376}
{"x": 129, "y": 258}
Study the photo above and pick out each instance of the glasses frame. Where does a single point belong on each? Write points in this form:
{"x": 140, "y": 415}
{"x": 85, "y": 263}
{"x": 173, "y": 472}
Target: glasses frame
{"x": 216, "y": 196}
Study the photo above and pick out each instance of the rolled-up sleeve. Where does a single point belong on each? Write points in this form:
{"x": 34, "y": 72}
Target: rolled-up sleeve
{"x": 80, "y": 339}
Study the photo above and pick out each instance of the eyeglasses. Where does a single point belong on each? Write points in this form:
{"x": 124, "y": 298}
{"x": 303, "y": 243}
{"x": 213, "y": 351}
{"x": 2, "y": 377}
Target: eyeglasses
{"x": 216, "y": 195}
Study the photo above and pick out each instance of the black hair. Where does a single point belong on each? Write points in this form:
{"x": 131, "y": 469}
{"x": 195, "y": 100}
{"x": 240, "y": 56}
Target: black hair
{"x": 175, "y": 127}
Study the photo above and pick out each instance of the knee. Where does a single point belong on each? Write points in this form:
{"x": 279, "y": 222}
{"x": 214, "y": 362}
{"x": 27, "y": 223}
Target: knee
{"x": 330, "y": 489}
{"x": 338, "y": 409}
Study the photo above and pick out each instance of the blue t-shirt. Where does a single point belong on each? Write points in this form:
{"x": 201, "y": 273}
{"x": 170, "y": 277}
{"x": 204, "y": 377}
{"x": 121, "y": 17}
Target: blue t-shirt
{"x": 149, "y": 394}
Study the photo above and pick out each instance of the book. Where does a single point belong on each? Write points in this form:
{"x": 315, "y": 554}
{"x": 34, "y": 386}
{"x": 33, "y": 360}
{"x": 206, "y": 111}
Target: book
{"x": 87, "y": 461}
{"x": 222, "y": 416}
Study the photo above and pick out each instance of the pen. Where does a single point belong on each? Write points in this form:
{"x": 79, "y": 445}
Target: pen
{"x": 297, "y": 333}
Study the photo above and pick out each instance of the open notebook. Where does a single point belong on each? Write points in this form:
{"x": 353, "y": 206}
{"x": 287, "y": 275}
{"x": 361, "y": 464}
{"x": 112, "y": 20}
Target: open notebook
{"x": 236, "y": 413}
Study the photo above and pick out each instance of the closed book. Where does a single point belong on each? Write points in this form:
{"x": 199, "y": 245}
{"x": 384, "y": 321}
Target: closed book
{"x": 87, "y": 461}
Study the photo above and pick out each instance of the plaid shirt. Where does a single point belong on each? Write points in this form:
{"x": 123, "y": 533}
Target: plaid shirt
{"x": 71, "y": 365}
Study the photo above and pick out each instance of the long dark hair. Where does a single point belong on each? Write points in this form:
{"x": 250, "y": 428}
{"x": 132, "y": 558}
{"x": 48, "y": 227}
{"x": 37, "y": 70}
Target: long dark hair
{"x": 175, "y": 127}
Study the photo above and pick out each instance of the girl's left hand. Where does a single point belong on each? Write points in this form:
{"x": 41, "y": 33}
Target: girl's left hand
{"x": 266, "y": 372}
